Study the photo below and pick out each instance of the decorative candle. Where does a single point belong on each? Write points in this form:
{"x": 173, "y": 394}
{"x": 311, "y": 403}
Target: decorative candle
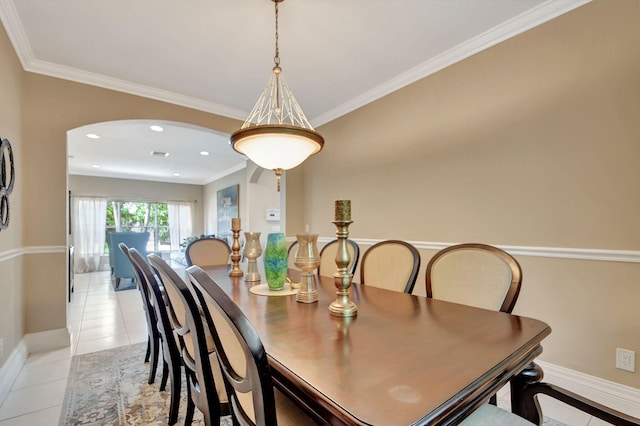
{"x": 343, "y": 210}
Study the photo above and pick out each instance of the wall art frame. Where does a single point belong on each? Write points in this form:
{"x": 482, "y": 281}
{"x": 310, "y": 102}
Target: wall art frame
{"x": 7, "y": 181}
{"x": 227, "y": 207}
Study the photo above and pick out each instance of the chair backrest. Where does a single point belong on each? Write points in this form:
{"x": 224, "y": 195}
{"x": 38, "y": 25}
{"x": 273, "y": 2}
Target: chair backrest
{"x": 241, "y": 355}
{"x": 291, "y": 255}
{"x": 121, "y": 266}
{"x": 165, "y": 315}
{"x": 163, "y": 309}
{"x": 207, "y": 252}
{"x": 328, "y": 257}
{"x": 474, "y": 274}
{"x": 147, "y": 300}
{"x": 196, "y": 350}
{"x": 392, "y": 265}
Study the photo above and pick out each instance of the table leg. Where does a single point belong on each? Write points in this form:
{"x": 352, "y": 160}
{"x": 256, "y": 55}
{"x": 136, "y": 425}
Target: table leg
{"x": 521, "y": 404}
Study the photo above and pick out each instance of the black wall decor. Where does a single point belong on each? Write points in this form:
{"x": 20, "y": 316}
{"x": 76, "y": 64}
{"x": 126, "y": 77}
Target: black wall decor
{"x": 7, "y": 180}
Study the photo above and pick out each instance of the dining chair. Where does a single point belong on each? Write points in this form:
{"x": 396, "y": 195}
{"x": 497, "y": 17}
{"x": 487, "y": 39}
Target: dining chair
{"x": 172, "y": 361}
{"x": 208, "y": 251}
{"x": 120, "y": 266}
{"x": 328, "y": 253}
{"x": 474, "y": 274}
{"x": 291, "y": 255}
{"x": 153, "y": 335}
{"x": 205, "y": 385}
{"x": 392, "y": 265}
{"x": 490, "y": 415}
{"x": 243, "y": 360}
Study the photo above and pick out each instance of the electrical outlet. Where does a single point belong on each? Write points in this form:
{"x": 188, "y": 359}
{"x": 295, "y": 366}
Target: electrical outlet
{"x": 625, "y": 359}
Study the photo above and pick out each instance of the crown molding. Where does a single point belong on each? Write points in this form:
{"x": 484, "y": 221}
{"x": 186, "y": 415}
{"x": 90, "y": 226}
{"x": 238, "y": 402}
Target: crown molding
{"x": 17, "y": 35}
{"x": 227, "y": 172}
{"x": 99, "y": 80}
{"x": 532, "y": 18}
{"x": 545, "y": 12}
{"x": 15, "y": 31}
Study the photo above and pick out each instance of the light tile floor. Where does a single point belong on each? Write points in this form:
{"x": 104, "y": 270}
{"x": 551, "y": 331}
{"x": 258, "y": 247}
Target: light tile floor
{"x": 100, "y": 318}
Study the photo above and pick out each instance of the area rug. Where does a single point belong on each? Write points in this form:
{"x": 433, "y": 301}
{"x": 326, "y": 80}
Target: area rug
{"x": 110, "y": 388}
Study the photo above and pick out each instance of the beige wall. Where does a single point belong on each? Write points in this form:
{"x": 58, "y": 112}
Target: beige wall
{"x": 262, "y": 195}
{"x": 534, "y": 142}
{"x": 50, "y": 108}
{"x": 257, "y": 192}
{"x": 11, "y": 239}
{"x": 130, "y": 189}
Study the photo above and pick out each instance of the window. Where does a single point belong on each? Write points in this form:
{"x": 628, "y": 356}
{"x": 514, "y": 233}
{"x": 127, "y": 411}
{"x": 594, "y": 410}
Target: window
{"x": 134, "y": 216}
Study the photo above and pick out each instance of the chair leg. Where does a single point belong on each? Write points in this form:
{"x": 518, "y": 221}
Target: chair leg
{"x": 146, "y": 356}
{"x": 176, "y": 382}
{"x": 117, "y": 282}
{"x": 165, "y": 375}
{"x": 191, "y": 406}
{"x": 154, "y": 353}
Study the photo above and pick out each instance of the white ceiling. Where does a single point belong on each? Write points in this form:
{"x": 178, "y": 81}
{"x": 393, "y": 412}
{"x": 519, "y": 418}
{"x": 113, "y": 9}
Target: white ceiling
{"x": 216, "y": 56}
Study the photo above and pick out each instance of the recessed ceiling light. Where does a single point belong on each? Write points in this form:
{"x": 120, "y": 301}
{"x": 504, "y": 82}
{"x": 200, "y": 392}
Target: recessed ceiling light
{"x": 176, "y": 174}
{"x": 92, "y": 136}
{"x": 156, "y": 128}
{"x": 204, "y": 153}
{"x": 96, "y": 166}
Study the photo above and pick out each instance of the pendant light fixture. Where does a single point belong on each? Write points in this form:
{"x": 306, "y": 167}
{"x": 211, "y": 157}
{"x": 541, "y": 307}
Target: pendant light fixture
{"x": 276, "y": 135}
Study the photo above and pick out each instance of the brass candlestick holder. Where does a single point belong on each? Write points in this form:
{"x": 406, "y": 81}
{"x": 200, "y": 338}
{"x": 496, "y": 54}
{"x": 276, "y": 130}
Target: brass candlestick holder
{"x": 308, "y": 260}
{"x": 235, "y": 249}
{"x": 342, "y": 306}
{"x": 252, "y": 251}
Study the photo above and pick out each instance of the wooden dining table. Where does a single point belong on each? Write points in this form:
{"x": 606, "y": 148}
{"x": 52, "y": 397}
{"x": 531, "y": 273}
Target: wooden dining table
{"x": 402, "y": 360}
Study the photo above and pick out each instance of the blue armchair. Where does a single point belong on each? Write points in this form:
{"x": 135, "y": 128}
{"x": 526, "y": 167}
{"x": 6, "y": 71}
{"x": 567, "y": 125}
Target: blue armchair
{"x": 120, "y": 265}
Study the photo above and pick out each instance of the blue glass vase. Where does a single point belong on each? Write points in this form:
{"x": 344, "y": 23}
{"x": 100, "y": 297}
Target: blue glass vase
{"x": 276, "y": 261}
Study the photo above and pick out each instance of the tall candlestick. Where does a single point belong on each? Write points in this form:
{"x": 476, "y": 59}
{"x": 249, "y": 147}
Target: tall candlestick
{"x": 342, "y": 306}
{"x": 343, "y": 210}
{"x": 235, "y": 249}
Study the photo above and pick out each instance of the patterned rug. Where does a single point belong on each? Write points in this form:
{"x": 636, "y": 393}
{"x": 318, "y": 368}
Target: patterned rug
{"x": 110, "y": 388}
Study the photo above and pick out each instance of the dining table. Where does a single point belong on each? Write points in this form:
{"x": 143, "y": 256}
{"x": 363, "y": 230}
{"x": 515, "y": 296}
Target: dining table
{"x": 402, "y": 360}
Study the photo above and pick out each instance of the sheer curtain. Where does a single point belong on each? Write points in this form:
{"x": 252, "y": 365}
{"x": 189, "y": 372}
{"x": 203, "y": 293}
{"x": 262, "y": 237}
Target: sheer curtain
{"x": 88, "y": 221}
{"x": 180, "y": 222}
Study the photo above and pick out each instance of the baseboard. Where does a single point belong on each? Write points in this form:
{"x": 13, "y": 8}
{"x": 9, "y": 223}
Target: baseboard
{"x": 49, "y": 340}
{"x": 11, "y": 369}
{"x": 31, "y": 343}
{"x": 619, "y": 397}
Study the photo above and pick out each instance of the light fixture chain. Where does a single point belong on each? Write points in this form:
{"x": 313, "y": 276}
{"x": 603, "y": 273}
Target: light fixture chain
{"x": 276, "y": 59}
{"x": 276, "y": 135}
